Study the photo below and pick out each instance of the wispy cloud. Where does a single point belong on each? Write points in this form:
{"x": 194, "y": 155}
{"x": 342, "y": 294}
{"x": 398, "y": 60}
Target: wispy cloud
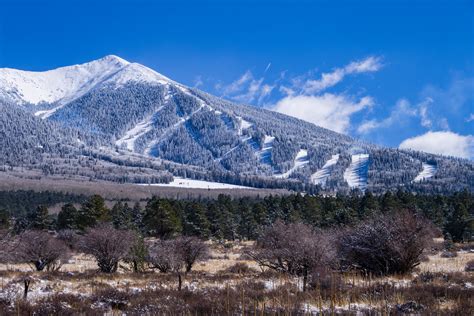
{"x": 247, "y": 89}
{"x": 470, "y": 118}
{"x": 402, "y": 110}
{"x": 268, "y": 67}
{"x": 330, "y": 79}
{"x": 198, "y": 82}
{"x": 442, "y": 142}
{"x": 304, "y": 97}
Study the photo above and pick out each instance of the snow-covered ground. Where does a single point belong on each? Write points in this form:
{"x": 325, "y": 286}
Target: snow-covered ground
{"x": 65, "y": 84}
{"x": 143, "y": 127}
{"x": 428, "y": 171}
{"x": 243, "y": 125}
{"x": 356, "y": 174}
{"x": 197, "y": 184}
{"x": 301, "y": 159}
{"x": 321, "y": 176}
{"x": 265, "y": 153}
{"x": 59, "y": 85}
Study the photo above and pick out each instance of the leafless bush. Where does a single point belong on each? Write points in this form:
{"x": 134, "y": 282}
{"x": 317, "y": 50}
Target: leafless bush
{"x": 108, "y": 245}
{"x": 177, "y": 255}
{"x": 240, "y": 268}
{"x": 296, "y": 249}
{"x": 40, "y": 249}
{"x": 166, "y": 257}
{"x": 387, "y": 244}
{"x": 193, "y": 249}
{"x": 69, "y": 237}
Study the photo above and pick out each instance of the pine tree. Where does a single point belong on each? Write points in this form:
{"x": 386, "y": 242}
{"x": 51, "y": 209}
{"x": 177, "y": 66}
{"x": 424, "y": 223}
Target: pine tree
{"x": 456, "y": 222}
{"x": 121, "y": 215}
{"x": 196, "y": 223}
{"x": 67, "y": 217}
{"x": 39, "y": 218}
{"x": 160, "y": 219}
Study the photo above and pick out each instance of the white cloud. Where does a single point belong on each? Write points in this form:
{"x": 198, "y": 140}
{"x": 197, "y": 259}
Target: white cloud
{"x": 239, "y": 84}
{"x": 423, "y": 110}
{"x": 470, "y": 118}
{"x": 328, "y": 110}
{"x": 198, "y": 81}
{"x": 369, "y": 64}
{"x": 246, "y": 89}
{"x": 443, "y": 143}
{"x": 401, "y": 111}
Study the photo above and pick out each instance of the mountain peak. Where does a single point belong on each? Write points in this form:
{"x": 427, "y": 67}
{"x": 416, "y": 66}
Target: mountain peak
{"x": 64, "y": 84}
{"x": 113, "y": 59}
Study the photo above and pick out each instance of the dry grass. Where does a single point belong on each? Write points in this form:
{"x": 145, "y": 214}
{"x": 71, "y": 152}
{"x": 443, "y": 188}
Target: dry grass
{"x": 438, "y": 264}
{"x": 229, "y": 284}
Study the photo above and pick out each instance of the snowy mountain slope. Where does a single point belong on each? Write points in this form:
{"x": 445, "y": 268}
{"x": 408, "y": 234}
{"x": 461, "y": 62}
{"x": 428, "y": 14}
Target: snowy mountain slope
{"x": 60, "y": 85}
{"x": 301, "y": 159}
{"x": 141, "y": 116}
{"x": 356, "y": 174}
{"x": 428, "y": 171}
{"x": 320, "y": 177}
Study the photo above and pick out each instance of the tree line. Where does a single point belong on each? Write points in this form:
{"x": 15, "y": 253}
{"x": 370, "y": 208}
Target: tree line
{"x": 226, "y": 218}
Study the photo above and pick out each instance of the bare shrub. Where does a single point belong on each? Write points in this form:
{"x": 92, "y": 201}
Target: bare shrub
{"x": 39, "y": 249}
{"x": 296, "y": 249}
{"x": 177, "y": 255}
{"x": 387, "y": 244}
{"x": 108, "y": 245}
{"x": 193, "y": 249}
{"x": 166, "y": 257}
{"x": 69, "y": 237}
{"x": 240, "y": 268}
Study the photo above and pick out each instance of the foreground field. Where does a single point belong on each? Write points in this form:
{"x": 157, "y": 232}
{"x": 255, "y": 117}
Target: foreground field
{"x": 229, "y": 283}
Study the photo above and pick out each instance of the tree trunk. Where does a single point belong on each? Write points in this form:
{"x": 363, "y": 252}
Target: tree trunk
{"x": 179, "y": 282}
{"x": 26, "y": 282}
{"x": 305, "y": 279}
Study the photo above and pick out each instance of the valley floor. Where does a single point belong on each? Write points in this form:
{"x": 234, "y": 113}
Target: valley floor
{"x": 229, "y": 283}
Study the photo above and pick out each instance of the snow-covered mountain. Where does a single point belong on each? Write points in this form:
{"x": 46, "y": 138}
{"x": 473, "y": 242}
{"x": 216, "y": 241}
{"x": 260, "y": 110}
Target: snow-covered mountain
{"x": 125, "y": 114}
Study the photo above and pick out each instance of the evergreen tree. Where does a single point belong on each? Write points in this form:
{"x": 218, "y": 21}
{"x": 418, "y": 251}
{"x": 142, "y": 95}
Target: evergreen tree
{"x": 456, "y": 222}
{"x": 122, "y": 216}
{"x": 39, "y": 218}
{"x": 67, "y": 217}
{"x": 196, "y": 222}
{"x": 160, "y": 219}
{"x": 247, "y": 225}
{"x": 4, "y": 219}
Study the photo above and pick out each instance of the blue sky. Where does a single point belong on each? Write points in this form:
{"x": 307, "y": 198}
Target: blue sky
{"x": 390, "y": 72}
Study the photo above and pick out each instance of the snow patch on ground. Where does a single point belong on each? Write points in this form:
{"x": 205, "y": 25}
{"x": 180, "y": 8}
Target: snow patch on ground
{"x": 265, "y": 153}
{"x": 243, "y": 125}
{"x": 321, "y": 176}
{"x": 357, "y": 173}
{"x": 301, "y": 159}
{"x": 197, "y": 184}
{"x": 427, "y": 172}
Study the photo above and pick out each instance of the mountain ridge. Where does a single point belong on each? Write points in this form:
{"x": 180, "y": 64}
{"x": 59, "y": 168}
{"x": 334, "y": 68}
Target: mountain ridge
{"x": 131, "y": 112}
